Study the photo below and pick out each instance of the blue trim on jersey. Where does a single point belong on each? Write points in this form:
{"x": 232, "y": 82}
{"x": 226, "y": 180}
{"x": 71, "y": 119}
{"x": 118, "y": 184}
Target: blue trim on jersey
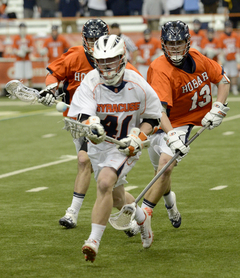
{"x": 189, "y": 65}
{"x": 222, "y": 70}
{"x": 89, "y": 60}
{"x": 116, "y": 89}
{"x": 49, "y": 70}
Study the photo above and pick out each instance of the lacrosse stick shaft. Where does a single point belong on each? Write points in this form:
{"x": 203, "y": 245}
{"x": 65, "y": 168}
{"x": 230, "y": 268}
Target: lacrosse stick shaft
{"x": 169, "y": 163}
{"x": 108, "y": 139}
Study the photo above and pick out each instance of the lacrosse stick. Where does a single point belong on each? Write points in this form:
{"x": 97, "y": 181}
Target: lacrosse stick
{"x": 122, "y": 219}
{"x": 15, "y": 88}
{"x": 85, "y": 130}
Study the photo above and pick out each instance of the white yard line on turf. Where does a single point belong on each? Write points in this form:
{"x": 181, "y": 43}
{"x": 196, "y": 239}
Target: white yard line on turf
{"x": 64, "y": 159}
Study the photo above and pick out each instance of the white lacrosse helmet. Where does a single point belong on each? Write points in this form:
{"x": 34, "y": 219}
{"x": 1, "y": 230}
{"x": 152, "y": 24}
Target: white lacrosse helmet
{"x": 110, "y": 58}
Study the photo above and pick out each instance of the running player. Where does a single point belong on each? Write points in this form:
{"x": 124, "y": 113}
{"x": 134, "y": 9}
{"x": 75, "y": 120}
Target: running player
{"x": 114, "y": 101}
{"x": 182, "y": 79}
{"x": 71, "y": 68}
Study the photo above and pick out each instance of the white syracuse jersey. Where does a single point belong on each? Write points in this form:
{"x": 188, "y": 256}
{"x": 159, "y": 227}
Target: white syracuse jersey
{"x": 119, "y": 109}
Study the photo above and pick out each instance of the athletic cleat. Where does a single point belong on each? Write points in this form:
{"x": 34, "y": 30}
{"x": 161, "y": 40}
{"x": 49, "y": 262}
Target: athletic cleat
{"x": 134, "y": 230}
{"x": 90, "y": 249}
{"x": 173, "y": 213}
{"x": 146, "y": 231}
{"x": 69, "y": 220}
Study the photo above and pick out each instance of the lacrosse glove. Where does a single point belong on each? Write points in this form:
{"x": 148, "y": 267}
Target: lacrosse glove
{"x": 135, "y": 141}
{"x": 175, "y": 143}
{"x": 216, "y": 115}
{"x": 96, "y": 133}
{"x": 46, "y": 97}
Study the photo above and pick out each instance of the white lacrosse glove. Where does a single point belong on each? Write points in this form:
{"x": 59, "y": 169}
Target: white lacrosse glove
{"x": 43, "y": 51}
{"x": 175, "y": 143}
{"x": 216, "y": 115}
{"x": 21, "y": 53}
{"x": 46, "y": 96}
{"x": 135, "y": 141}
{"x": 96, "y": 133}
{"x": 211, "y": 52}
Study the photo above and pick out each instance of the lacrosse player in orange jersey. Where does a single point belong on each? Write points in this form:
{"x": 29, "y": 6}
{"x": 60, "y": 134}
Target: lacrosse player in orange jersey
{"x": 149, "y": 48}
{"x": 54, "y": 46}
{"x": 196, "y": 35}
{"x": 71, "y": 68}
{"x": 182, "y": 79}
{"x": 22, "y": 47}
{"x": 228, "y": 43}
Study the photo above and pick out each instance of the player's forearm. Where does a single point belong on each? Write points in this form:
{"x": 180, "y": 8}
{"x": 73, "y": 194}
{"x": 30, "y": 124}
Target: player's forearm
{"x": 146, "y": 128}
{"x": 223, "y": 91}
{"x": 165, "y": 123}
{"x": 50, "y": 79}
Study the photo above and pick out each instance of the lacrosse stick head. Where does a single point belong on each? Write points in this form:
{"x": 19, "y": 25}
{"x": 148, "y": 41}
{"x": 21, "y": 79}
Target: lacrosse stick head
{"x": 15, "y": 88}
{"x": 76, "y": 129}
{"x": 122, "y": 220}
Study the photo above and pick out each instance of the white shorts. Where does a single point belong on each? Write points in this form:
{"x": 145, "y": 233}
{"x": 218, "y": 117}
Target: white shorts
{"x": 158, "y": 144}
{"x": 110, "y": 156}
{"x": 23, "y": 70}
{"x": 230, "y": 67}
{"x": 78, "y": 143}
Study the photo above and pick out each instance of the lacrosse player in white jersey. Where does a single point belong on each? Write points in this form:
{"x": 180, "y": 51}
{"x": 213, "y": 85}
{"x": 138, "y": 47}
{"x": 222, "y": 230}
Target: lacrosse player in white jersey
{"x": 117, "y": 102}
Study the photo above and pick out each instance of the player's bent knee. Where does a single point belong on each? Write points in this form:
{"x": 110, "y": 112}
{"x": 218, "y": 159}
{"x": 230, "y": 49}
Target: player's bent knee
{"x": 83, "y": 158}
{"x": 118, "y": 202}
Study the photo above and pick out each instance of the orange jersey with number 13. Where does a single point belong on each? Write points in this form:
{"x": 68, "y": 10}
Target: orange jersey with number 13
{"x": 187, "y": 95}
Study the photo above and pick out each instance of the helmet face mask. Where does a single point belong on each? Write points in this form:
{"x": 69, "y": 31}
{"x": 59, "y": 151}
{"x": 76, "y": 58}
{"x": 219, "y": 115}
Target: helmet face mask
{"x": 91, "y": 31}
{"x": 110, "y": 59}
{"x": 176, "y": 51}
{"x": 175, "y": 42}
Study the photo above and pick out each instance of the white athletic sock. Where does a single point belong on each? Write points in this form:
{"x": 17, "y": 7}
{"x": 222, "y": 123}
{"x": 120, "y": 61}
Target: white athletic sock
{"x": 140, "y": 215}
{"x": 168, "y": 199}
{"x": 77, "y": 201}
{"x": 97, "y": 232}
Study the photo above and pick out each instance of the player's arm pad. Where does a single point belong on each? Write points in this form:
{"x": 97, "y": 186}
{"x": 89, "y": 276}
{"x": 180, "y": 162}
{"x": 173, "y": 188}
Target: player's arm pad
{"x": 216, "y": 115}
{"x": 82, "y": 117}
{"x": 155, "y": 123}
{"x": 135, "y": 141}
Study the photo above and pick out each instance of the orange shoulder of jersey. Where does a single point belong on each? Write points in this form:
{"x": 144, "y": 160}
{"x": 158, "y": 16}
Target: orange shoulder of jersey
{"x": 187, "y": 95}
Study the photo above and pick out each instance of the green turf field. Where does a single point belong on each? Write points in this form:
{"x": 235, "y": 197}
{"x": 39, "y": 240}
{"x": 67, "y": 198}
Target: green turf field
{"x": 33, "y": 244}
